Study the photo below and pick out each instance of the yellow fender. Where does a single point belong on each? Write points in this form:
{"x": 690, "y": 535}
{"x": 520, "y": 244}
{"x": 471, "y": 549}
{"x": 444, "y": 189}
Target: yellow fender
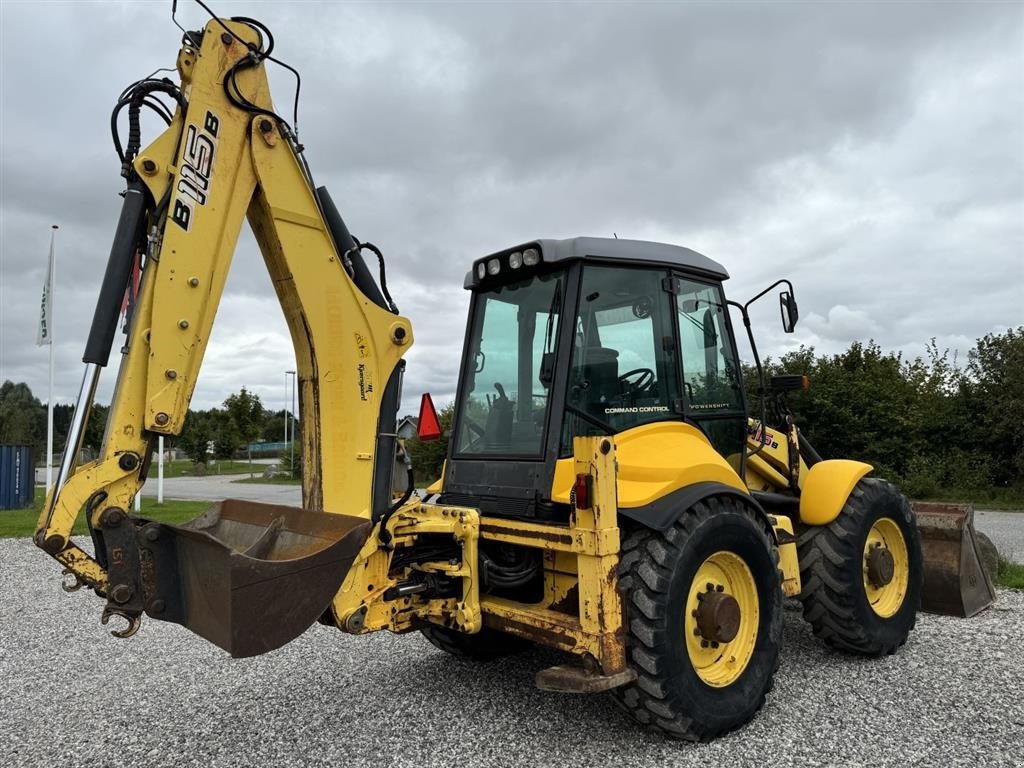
{"x": 827, "y": 486}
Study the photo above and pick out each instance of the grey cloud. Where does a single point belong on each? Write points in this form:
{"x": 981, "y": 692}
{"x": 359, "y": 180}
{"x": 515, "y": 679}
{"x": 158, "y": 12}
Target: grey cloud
{"x": 872, "y": 152}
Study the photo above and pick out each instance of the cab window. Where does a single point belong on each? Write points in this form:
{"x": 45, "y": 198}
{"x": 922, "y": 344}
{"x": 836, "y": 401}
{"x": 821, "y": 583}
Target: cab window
{"x": 711, "y": 375}
{"x": 623, "y": 369}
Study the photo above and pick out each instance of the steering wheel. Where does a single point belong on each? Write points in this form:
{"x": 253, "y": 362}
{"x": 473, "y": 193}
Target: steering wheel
{"x": 644, "y": 378}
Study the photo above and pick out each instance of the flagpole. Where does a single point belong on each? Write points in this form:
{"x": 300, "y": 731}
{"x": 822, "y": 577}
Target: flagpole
{"x": 49, "y": 398}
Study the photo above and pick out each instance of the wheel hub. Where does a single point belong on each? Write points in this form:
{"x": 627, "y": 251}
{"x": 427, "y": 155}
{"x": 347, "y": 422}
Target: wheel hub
{"x": 718, "y": 616}
{"x": 881, "y": 566}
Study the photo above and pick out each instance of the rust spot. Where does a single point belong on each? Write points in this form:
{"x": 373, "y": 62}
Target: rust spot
{"x": 552, "y": 536}
{"x": 548, "y": 637}
{"x": 569, "y": 604}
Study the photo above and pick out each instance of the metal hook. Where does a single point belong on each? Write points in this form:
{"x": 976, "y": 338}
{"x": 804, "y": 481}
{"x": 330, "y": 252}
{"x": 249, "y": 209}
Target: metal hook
{"x": 133, "y": 622}
{"x": 68, "y": 586}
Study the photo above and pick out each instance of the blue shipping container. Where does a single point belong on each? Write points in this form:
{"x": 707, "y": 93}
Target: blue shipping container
{"x": 17, "y": 476}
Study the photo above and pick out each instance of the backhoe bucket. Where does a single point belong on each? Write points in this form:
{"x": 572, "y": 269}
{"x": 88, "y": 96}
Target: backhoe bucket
{"x": 246, "y": 576}
{"x": 955, "y": 582}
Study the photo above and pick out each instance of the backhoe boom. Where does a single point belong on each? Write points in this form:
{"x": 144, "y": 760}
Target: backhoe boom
{"x": 226, "y": 157}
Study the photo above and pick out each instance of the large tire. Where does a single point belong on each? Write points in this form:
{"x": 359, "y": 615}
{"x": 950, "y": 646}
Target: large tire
{"x": 485, "y": 645}
{"x": 658, "y": 574}
{"x": 835, "y": 575}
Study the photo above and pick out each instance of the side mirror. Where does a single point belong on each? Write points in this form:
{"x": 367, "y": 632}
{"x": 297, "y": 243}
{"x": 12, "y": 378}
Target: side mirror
{"x": 790, "y": 313}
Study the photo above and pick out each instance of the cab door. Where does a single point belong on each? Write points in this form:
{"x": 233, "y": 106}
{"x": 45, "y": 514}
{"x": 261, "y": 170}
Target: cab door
{"x": 712, "y": 379}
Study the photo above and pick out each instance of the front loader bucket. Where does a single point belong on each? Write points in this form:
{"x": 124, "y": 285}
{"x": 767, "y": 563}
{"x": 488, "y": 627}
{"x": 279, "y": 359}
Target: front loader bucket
{"x": 246, "y": 576}
{"x": 955, "y": 583}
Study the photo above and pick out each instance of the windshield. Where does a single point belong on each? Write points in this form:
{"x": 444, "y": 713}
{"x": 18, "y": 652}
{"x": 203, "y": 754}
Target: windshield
{"x": 503, "y": 404}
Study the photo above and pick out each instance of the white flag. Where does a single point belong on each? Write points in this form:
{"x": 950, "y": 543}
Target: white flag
{"x": 45, "y": 333}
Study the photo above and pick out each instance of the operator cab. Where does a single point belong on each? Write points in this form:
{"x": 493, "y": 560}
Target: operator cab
{"x": 586, "y": 336}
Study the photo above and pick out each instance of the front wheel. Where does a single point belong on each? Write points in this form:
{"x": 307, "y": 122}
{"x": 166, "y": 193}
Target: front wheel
{"x": 862, "y": 572}
{"x": 703, "y": 609}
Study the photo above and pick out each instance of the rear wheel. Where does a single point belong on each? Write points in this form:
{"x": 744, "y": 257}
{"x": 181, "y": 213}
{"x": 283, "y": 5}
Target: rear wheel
{"x": 862, "y": 572}
{"x": 485, "y": 645}
{"x": 704, "y": 620}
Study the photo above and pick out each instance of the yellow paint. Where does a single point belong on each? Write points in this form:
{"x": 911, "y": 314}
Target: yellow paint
{"x": 372, "y": 574}
{"x": 827, "y": 487}
{"x": 252, "y": 174}
{"x": 789, "y": 562}
{"x": 721, "y": 664}
{"x": 655, "y": 460}
{"x": 887, "y": 599}
{"x": 768, "y": 469}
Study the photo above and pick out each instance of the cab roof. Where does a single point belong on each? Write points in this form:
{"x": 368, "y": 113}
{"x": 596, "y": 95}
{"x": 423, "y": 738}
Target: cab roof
{"x": 615, "y": 249}
{"x": 610, "y": 250}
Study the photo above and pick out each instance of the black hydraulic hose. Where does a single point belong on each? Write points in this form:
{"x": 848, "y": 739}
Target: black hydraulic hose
{"x": 383, "y": 274}
{"x": 117, "y": 275}
{"x": 383, "y": 534}
{"x": 811, "y": 456}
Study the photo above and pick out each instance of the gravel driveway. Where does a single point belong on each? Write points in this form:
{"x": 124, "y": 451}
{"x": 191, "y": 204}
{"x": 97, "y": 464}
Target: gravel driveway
{"x": 71, "y": 695}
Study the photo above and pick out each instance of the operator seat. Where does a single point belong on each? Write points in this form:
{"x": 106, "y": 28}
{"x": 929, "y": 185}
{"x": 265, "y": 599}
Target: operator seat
{"x": 601, "y": 371}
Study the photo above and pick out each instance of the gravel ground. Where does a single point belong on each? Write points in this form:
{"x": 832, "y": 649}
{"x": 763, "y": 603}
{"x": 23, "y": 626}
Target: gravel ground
{"x": 1006, "y": 529}
{"x": 73, "y": 696}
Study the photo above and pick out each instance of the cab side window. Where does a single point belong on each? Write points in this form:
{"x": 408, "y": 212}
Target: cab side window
{"x": 711, "y": 378}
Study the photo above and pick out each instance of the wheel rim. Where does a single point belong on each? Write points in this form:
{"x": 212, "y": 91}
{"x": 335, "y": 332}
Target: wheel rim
{"x": 886, "y": 567}
{"x": 718, "y": 642}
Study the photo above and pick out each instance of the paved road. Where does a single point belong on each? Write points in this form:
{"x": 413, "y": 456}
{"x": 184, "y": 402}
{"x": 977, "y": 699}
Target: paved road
{"x": 218, "y": 487}
{"x": 1006, "y": 529}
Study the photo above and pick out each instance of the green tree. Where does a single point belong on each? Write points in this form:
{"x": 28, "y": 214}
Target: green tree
{"x": 246, "y": 414}
{"x": 993, "y": 395}
{"x": 196, "y": 435}
{"x": 428, "y": 457}
{"x": 22, "y": 417}
{"x": 227, "y": 440}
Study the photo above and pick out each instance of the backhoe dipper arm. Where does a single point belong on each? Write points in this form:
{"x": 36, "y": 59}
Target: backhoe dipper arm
{"x": 227, "y": 157}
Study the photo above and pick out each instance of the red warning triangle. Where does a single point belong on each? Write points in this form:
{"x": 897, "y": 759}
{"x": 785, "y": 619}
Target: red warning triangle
{"x": 429, "y": 427}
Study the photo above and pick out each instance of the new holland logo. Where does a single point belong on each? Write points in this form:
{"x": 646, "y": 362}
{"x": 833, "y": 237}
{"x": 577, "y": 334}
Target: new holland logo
{"x": 198, "y": 151}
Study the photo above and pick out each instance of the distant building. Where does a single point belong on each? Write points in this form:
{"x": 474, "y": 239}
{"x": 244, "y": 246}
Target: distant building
{"x": 407, "y": 427}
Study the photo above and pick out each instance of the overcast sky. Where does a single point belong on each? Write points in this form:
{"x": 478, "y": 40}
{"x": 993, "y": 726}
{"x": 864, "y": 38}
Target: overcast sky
{"x": 871, "y": 152}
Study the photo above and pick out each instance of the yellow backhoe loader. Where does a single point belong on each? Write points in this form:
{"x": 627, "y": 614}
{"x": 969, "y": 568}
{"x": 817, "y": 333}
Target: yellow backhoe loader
{"x": 605, "y": 492}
